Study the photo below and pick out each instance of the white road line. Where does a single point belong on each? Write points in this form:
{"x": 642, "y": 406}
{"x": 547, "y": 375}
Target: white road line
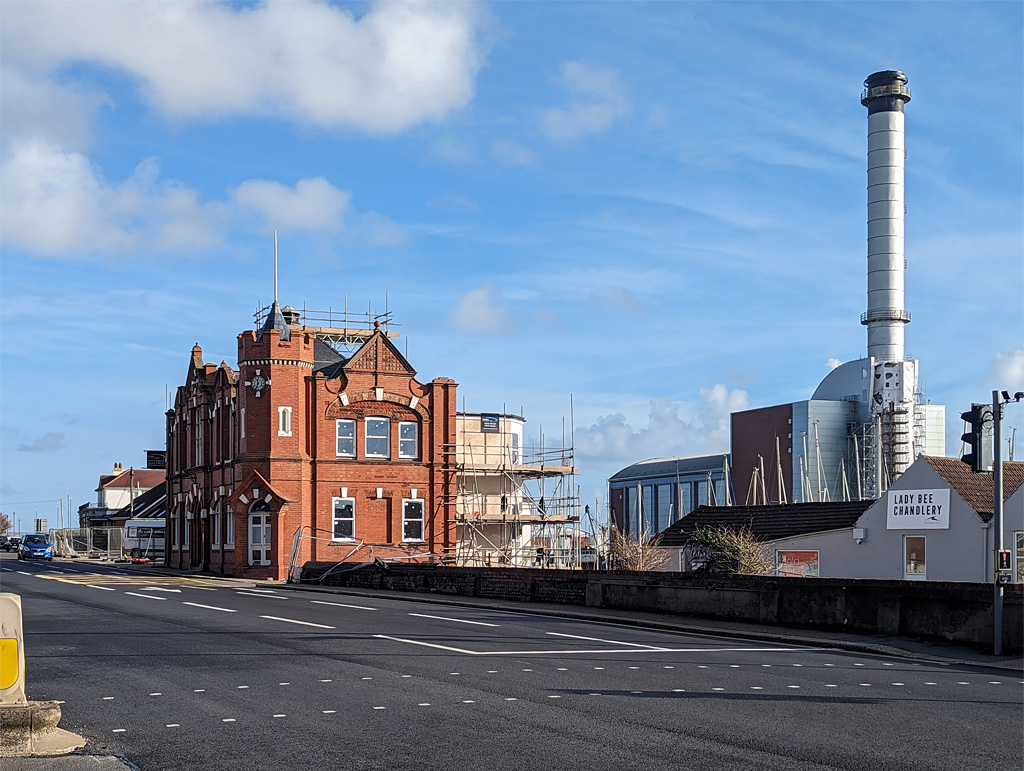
{"x": 280, "y": 715}
{"x": 610, "y": 642}
{"x": 159, "y": 589}
{"x": 304, "y": 623}
{"x": 341, "y": 605}
{"x": 173, "y": 725}
{"x": 104, "y": 588}
{"x": 147, "y": 596}
{"x": 22, "y": 572}
{"x": 203, "y": 588}
{"x": 268, "y": 596}
{"x": 209, "y": 607}
{"x": 228, "y": 720}
{"x": 458, "y": 620}
{"x": 119, "y": 730}
{"x": 578, "y": 652}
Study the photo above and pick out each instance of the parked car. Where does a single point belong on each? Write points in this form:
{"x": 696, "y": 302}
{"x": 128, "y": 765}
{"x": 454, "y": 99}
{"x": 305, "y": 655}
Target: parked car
{"x": 11, "y": 544}
{"x": 36, "y": 546}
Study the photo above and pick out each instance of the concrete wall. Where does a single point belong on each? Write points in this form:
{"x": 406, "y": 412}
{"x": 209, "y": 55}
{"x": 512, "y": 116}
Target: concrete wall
{"x": 955, "y": 612}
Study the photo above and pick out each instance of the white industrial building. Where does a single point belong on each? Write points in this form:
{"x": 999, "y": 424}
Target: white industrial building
{"x": 868, "y": 420}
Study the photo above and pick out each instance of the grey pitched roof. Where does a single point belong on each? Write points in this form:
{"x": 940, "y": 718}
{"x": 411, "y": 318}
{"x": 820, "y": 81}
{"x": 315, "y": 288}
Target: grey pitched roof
{"x": 976, "y": 489}
{"x": 326, "y": 359}
{"x": 275, "y": 320}
{"x": 769, "y": 523}
{"x": 663, "y": 467}
{"x": 151, "y": 504}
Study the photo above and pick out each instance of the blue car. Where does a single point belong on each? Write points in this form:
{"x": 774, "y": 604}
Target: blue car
{"x": 36, "y": 546}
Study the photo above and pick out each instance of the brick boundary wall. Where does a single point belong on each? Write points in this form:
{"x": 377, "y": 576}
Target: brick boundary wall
{"x": 955, "y": 612}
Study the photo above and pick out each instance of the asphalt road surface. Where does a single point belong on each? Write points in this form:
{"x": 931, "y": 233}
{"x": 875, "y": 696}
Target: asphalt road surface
{"x": 199, "y": 673}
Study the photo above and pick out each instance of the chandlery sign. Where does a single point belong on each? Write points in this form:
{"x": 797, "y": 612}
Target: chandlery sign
{"x": 917, "y": 510}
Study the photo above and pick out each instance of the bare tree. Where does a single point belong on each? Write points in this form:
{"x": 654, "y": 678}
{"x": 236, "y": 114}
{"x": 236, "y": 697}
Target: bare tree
{"x": 643, "y": 552}
{"x": 727, "y": 550}
{"x": 5, "y": 523}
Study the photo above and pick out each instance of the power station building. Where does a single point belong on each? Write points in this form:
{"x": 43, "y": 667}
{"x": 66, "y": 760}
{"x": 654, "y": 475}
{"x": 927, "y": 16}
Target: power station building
{"x": 868, "y": 420}
{"x": 307, "y": 453}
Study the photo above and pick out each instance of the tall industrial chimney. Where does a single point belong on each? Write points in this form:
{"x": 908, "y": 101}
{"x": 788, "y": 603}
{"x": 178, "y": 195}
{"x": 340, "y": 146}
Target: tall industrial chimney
{"x": 884, "y": 95}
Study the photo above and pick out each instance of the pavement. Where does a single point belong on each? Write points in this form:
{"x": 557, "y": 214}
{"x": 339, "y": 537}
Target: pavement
{"x": 892, "y": 646}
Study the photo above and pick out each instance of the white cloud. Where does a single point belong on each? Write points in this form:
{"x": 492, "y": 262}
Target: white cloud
{"x": 58, "y": 203}
{"x": 832, "y": 363}
{"x": 48, "y": 442}
{"x": 311, "y": 62}
{"x": 451, "y": 150}
{"x": 510, "y": 153}
{"x": 312, "y": 205}
{"x": 1008, "y": 370}
{"x": 613, "y": 441}
{"x": 39, "y": 109}
{"x": 596, "y": 100}
{"x": 480, "y": 311}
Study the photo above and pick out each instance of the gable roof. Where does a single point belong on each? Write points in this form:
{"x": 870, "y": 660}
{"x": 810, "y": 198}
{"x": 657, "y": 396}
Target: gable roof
{"x": 326, "y": 359}
{"x": 145, "y": 478}
{"x": 976, "y": 489}
{"x": 769, "y": 523}
{"x": 378, "y": 354}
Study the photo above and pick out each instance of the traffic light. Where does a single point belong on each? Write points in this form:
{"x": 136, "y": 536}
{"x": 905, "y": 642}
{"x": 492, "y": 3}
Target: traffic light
{"x": 978, "y": 437}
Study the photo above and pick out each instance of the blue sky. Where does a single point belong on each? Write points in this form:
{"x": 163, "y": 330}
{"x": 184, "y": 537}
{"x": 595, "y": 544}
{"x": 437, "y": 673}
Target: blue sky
{"x": 657, "y": 208}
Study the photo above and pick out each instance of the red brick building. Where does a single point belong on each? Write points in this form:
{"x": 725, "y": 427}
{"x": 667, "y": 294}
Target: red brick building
{"x": 353, "y": 451}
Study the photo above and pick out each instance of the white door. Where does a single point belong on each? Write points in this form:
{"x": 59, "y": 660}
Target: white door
{"x": 259, "y": 539}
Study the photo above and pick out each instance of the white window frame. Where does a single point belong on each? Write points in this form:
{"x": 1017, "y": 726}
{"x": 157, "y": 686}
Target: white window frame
{"x": 241, "y": 424}
{"x": 1017, "y": 555}
{"x": 215, "y": 527}
{"x": 199, "y": 440}
{"x": 185, "y": 539}
{"x": 334, "y": 519}
{"x": 922, "y": 576}
{"x": 422, "y": 520}
{"x": 367, "y": 437}
{"x": 229, "y": 528}
{"x": 415, "y": 439}
{"x": 174, "y": 531}
{"x": 338, "y": 437}
{"x": 284, "y": 421}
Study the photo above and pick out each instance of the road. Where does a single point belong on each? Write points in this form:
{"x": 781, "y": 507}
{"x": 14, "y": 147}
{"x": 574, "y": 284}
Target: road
{"x": 199, "y": 673}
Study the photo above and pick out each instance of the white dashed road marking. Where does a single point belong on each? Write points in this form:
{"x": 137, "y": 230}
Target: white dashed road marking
{"x": 104, "y": 588}
{"x": 458, "y": 620}
{"x": 295, "y": 621}
{"x": 341, "y": 605}
{"x": 210, "y": 607}
{"x": 269, "y": 596}
{"x": 147, "y": 596}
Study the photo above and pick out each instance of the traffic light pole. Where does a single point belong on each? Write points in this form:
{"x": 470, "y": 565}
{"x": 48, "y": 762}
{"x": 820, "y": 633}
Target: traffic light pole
{"x": 997, "y": 523}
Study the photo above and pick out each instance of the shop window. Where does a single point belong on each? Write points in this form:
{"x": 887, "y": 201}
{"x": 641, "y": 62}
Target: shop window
{"x": 914, "y": 561}
{"x": 796, "y": 564}
{"x": 1018, "y": 562}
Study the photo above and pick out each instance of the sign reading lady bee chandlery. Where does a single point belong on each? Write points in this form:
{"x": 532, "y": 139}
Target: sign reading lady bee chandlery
{"x": 917, "y": 510}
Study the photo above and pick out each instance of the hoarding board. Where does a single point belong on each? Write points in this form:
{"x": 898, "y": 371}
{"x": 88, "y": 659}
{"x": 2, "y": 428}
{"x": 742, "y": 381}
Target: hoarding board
{"x": 917, "y": 510}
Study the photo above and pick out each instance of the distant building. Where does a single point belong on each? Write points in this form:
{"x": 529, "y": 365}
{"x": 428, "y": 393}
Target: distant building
{"x": 934, "y": 523}
{"x": 515, "y": 505}
{"x": 347, "y": 450}
{"x": 650, "y": 495}
{"x": 115, "y": 491}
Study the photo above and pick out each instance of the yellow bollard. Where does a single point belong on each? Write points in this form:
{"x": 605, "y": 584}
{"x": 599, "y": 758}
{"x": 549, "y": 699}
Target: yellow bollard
{"x": 12, "y": 650}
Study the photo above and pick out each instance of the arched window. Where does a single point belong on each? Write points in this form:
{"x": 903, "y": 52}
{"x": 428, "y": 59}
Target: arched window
{"x": 259, "y": 533}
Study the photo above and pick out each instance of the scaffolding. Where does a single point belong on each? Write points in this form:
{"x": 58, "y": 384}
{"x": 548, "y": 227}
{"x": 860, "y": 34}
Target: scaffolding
{"x": 344, "y": 330}
{"x": 515, "y": 505}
